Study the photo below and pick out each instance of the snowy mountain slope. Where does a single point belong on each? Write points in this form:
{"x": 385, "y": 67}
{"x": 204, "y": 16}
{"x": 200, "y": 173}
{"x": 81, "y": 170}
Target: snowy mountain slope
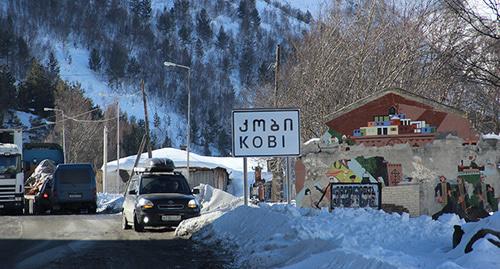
{"x": 221, "y": 70}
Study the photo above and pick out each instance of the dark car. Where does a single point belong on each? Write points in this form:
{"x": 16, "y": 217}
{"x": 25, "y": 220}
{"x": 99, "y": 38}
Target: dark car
{"x": 158, "y": 197}
{"x": 74, "y": 188}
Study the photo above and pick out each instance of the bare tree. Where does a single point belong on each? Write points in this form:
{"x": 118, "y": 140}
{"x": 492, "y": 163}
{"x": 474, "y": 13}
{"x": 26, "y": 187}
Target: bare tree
{"x": 367, "y": 46}
{"x": 83, "y": 125}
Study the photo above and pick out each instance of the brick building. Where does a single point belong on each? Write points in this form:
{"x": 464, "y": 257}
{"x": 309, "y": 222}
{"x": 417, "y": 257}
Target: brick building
{"x": 395, "y": 116}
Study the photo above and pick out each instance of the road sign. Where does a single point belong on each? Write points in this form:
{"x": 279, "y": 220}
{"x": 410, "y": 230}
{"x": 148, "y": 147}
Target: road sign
{"x": 266, "y": 132}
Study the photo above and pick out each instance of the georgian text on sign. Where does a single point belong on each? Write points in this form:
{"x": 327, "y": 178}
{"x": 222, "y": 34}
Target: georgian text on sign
{"x": 266, "y": 132}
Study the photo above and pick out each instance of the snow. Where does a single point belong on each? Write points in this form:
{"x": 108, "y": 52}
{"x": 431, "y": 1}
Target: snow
{"x": 109, "y": 202}
{"x": 491, "y": 136}
{"x": 234, "y": 166}
{"x": 73, "y": 64}
{"x": 284, "y": 236}
{"x": 315, "y": 7}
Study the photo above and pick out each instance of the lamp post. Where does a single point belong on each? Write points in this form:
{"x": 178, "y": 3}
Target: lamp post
{"x": 170, "y": 64}
{"x": 64, "y": 136}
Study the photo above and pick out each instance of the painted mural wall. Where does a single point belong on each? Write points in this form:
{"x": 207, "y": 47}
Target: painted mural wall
{"x": 471, "y": 171}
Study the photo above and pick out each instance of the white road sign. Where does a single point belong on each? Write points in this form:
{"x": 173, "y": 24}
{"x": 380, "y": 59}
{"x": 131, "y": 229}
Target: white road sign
{"x": 266, "y": 132}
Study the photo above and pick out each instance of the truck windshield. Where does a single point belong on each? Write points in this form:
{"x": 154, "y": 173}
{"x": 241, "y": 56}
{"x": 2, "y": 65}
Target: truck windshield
{"x": 164, "y": 184}
{"x": 10, "y": 164}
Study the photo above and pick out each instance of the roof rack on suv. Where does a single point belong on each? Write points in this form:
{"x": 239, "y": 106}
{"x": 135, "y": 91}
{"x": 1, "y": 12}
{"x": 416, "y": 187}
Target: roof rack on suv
{"x": 156, "y": 165}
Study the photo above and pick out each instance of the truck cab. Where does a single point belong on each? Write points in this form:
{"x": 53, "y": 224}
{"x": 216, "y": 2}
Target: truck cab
{"x": 11, "y": 172}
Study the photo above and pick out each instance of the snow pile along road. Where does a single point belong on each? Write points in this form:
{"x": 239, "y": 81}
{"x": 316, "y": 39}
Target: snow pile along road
{"x": 282, "y": 236}
{"x": 214, "y": 203}
{"x": 109, "y": 203}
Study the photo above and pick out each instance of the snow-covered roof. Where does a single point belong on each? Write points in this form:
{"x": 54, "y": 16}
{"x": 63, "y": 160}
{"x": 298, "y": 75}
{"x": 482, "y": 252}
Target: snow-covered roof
{"x": 179, "y": 157}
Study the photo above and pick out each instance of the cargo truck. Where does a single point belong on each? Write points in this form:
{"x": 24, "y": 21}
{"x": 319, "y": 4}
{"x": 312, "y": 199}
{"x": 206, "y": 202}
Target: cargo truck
{"x": 11, "y": 172}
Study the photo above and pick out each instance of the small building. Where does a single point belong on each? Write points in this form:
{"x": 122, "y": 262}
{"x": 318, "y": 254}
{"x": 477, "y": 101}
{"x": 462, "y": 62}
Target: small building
{"x": 216, "y": 177}
{"x": 209, "y": 170}
{"x": 423, "y": 120}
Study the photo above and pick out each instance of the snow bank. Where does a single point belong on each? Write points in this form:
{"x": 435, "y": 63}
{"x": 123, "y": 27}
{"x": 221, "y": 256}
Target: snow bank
{"x": 214, "y": 203}
{"x": 109, "y": 203}
{"x": 283, "y": 236}
{"x": 491, "y": 136}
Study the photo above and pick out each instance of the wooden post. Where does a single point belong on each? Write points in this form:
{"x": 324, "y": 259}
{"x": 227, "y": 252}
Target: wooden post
{"x": 148, "y": 141}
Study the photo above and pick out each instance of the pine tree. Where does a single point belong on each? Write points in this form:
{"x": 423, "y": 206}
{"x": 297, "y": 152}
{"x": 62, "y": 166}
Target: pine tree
{"x": 145, "y": 10}
{"x": 23, "y": 55}
{"x": 118, "y": 61}
{"x": 156, "y": 120}
{"x": 199, "y": 49}
{"x": 7, "y": 37}
{"x": 167, "y": 142}
{"x": 222, "y": 38}
{"x": 181, "y": 9}
{"x": 246, "y": 63}
{"x": 53, "y": 67}
{"x": 37, "y": 91}
{"x": 203, "y": 25}
{"x": 206, "y": 149}
{"x": 223, "y": 143}
{"x": 165, "y": 22}
{"x": 242, "y": 9}
{"x": 308, "y": 17}
{"x": 133, "y": 68}
{"x": 135, "y": 7}
{"x": 95, "y": 60}
{"x": 7, "y": 89}
{"x": 255, "y": 18}
{"x": 185, "y": 34}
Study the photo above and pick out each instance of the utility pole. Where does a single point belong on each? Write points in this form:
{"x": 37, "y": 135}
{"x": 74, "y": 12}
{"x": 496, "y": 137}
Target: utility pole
{"x": 276, "y": 185}
{"x": 105, "y": 159}
{"x": 64, "y": 137}
{"x": 148, "y": 141}
{"x": 276, "y": 75}
{"x": 118, "y": 178}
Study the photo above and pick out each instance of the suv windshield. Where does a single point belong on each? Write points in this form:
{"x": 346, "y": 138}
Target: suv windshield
{"x": 10, "y": 164}
{"x": 164, "y": 184}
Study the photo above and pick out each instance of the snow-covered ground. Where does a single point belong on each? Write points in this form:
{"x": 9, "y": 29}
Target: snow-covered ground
{"x": 283, "y": 236}
{"x": 109, "y": 202}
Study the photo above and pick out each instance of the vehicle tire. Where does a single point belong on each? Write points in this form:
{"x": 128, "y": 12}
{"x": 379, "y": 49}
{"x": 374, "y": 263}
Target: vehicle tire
{"x": 138, "y": 227}
{"x": 92, "y": 209}
{"x": 125, "y": 225}
{"x": 19, "y": 211}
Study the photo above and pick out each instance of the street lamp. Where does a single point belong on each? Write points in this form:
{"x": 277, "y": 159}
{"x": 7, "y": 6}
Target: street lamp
{"x": 170, "y": 64}
{"x": 64, "y": 136}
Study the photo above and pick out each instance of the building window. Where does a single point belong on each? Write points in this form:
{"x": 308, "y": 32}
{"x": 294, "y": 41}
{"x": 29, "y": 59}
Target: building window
{"x": 392, "y": 110}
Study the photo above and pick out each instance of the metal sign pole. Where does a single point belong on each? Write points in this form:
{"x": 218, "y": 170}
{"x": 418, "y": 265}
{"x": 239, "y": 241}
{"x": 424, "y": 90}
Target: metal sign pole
{"x": 245, "y": 180}
{"x": 105, "y": 159}
{"x": 288, "y": 192}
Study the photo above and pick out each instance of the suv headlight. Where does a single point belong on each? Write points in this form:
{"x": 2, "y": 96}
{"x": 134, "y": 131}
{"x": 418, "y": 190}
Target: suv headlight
{"x": 193, "y": 203}
{"x": 145, "y": 203}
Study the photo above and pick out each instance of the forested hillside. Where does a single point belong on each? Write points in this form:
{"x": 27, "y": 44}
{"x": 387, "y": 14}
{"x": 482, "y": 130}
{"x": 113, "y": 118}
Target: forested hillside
{"x": 229, "y": 46}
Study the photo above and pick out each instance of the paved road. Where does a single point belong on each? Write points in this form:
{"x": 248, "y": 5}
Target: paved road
{"x": 96, "y": 241}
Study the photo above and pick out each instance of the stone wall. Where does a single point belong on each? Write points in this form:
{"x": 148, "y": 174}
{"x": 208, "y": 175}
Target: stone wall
{"x": 407, "y": 195}
{"x": 422, "y": 164}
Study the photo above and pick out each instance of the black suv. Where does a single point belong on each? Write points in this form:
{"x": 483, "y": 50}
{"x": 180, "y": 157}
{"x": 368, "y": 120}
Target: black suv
{"x": 156, "y": 196}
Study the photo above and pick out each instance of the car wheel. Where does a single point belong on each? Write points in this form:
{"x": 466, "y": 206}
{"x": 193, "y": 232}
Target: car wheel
{"x": 125, "y": 225}
{"x": 92, "y": 209}
{"x": 138, "y": 227}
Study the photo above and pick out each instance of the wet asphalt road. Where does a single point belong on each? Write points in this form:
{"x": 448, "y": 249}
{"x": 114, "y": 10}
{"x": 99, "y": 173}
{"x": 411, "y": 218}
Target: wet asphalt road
{"x": 96, "y": 241}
